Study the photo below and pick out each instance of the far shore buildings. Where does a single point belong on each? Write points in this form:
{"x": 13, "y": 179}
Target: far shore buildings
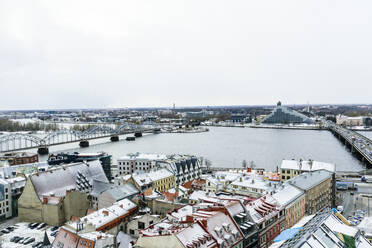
{"x": 284, "y": 115}
{"x": 56, "y": 195}
{"x": 16, "y": 158}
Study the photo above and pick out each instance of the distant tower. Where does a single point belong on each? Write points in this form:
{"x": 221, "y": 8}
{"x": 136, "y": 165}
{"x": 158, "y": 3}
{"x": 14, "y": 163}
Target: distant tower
{"x": 308, "y": 107}
{"x": 174, "y": 108}
{"x": 279, "y": 104}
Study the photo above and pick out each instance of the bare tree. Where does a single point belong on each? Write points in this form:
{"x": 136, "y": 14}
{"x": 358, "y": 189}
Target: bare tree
{"x": 208, "y": 163}
{"x": 244, "y": 164}
{"x": 252, "y": 165}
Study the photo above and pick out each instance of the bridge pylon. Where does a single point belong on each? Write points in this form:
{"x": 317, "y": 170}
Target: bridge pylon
{"x": 43, "y": 150}
{"x": 84, "y": 143}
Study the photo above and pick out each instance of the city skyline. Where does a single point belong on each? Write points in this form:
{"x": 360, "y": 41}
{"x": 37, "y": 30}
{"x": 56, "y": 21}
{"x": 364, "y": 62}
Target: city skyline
{"x": 79, "y": 55}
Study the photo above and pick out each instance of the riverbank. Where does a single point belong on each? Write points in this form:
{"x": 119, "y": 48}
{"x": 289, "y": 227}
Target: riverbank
{"x": 293, "y": 127}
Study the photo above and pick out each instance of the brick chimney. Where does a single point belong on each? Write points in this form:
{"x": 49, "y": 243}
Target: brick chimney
{"x": 68, "y": 191}
{"x": 105, "y": 212}
{"x": 189, "y": 218}
{"x": 45, "y": 200}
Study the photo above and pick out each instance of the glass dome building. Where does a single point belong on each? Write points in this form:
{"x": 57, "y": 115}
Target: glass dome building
{"x": 283, "y": 115}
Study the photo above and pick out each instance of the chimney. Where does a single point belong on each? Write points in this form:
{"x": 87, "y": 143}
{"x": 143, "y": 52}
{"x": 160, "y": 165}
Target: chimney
{"x": 68, "y": 191}
{"x": 249, "y": 169}
{"x": 45, "y": 200}
{"x": 121, "y": 205}
{"x": 105, "y": 212}
{"x": 189, "y": 218}
{"x": 99, "y": 236}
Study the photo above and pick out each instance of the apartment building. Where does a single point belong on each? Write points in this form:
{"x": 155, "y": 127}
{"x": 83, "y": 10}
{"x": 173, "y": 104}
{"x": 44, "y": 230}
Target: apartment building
{"x": 318, "y": 188}
{"x": 294, "y": 201}
{"x": 5, "y": 200}
{"x": 291, "y": 168}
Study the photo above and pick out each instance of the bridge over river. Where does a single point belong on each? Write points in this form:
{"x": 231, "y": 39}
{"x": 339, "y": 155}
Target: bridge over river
{"x": 21, "y": 141}
{"x": 360, "y": 145}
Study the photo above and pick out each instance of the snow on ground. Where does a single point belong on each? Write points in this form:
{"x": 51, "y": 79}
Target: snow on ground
{"x": 22, "y": 230}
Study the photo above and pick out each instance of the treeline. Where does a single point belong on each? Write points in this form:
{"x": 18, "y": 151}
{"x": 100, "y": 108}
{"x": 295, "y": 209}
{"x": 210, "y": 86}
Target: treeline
{"x": 81, "y": 128}
{"x": 15, "y": 126}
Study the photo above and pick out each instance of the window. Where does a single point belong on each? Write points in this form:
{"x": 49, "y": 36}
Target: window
{"x": 131, "y": 231}
{"x": 141, "y": 225}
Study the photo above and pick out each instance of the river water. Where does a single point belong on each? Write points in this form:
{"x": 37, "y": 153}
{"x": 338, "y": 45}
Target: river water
{"x": 228, "y": 147}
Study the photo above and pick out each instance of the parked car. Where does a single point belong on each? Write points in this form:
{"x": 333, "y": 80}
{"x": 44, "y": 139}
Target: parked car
{"x": 5, "y": 231}
{"x": 29, "y": 241}
{"x": 53, "y": 234}
{"x": 54, "y": 228}
{"x": 38, "y": 244}
{"x": 19, "y": 239}
{"x": 33, "y": 225}
{"x": 41, "y": 225}
{"x": 13, "y": 238}
{"x": 24, "y": 240}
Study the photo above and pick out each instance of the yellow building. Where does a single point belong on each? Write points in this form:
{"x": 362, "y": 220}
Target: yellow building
{"x": 318, "y": 187}
{"x": 294, "y": 201}
{"x": 291, "y": 168}
{"x": 160, "y": 180}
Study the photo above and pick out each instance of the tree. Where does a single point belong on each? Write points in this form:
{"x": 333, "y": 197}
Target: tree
{"x": 252, "y": 164}
{"x": 208, "y": 163}
{"x": 244, "y": 164}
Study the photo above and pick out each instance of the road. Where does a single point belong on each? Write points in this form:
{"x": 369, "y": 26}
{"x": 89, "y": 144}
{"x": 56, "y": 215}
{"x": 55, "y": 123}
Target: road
{"x": 351, "y": 203}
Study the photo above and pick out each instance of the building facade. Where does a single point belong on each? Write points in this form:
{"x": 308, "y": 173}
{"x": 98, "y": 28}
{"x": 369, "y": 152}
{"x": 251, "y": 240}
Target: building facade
{"x": 16, "y": 158}
{"x": 318, "y": 187}
{"x": 292, "y": 168}
{"x": 294, "y": 202}
{"x": 5, "y": 200}
{"x": 54, "y": 196}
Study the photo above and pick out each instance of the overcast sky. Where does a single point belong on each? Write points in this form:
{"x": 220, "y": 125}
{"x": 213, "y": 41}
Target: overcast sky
{"x": 82, "y": 54}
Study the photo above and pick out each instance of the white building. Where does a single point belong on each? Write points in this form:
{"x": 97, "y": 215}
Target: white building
{"x": 184, "y": 167}
{"x": 138, "y": 162}
{"x": 220, "y": 180}
{"x": 252, "y": 186}
{"x": 5, "y": 200}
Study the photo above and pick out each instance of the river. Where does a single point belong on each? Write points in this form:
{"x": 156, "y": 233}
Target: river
{"x": 228, "y": 147}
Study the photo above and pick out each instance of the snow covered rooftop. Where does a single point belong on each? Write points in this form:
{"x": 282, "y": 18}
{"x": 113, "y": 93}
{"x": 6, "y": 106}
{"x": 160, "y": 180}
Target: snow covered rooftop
{"x": 254, "y": 183}
{"x": 325, "y": 228}
{"x": 143, "y": 156}
{"x": 263, "y": 208}
{"x": 307, "y": 165}
{"x": 105, "y": 215}
{"x": 287, "y": 194}
{"x": 67, "y": 177}
{"x": 309, "y": 180}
